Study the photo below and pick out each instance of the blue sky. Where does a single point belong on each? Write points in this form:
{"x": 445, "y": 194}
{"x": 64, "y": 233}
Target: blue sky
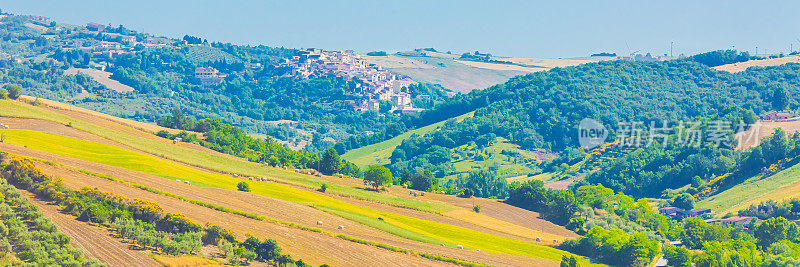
{"x": 546, "y": 29}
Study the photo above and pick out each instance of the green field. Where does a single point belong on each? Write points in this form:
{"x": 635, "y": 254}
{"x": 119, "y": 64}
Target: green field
{"x": 202, "y": 53}
{"x": 379, "y": 153}
{"x": 469, "y": 158}
{"x": 781, "y": 185}
{"x": 404, "y": 226}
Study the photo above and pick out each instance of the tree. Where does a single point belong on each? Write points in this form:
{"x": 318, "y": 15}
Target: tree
{"x": 3, "y": 94}
{"x": 377, "y": 177}
{"x": 13, "y": 91}
{"x": 780, "y": 99}
{"x": 677, "y": 256}
{"x": 684, "y": 201}
{"x": 569, "y": 261}
{"x": 243, "y": 186}
{"x": 467, "y": 193}
{"x": 772, "y": 230}
{"x": 423, "y": 181}
{"x": 330, "y": 163}
{"x": 178, "y": 119}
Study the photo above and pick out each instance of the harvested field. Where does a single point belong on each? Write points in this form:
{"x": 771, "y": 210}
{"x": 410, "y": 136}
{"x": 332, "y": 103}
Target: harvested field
{"x": 96, "y": 242}
{"x": 102, "y": 77}
{"x": 145, "y": 140}
{"x": 392, "y": 61}
{"x": 742, "y": 66}
{"x": 186, "y": 261}
{"x": 242, "y": 225}
{"x": 314, "y": 248}
{"x": 498, "y": 66}
{"x": 766, "y": 128}
{"x": 499, "y": 213}
{"x": 93, "y": 116}
{"x": 60, "y": 129}
{"x": 546, "y": 62}
{"x": 517, "y": 216}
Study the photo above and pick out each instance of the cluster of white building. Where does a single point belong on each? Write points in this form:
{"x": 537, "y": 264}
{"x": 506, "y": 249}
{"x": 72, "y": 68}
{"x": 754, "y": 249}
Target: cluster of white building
{"x": 373, "y": 82}
{"x": 209, "y": 75}
{"x": 114, "y": 44}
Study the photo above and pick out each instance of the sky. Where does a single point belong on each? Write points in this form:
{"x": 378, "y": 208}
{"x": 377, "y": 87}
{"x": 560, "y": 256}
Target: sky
{"x": 538, "y": 29}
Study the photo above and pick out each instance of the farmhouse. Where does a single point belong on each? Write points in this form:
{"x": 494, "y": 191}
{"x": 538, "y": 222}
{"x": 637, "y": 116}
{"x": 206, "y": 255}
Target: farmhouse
{"x": 39, "y": 20}
{"x": 95, "y": 27}
{"x": 774, "y": 115}
{"x": 732, "y": 221}
{"x": 120, "y": 38}
{"x": 668, "y": 211}
{"x": 209, "y": 75}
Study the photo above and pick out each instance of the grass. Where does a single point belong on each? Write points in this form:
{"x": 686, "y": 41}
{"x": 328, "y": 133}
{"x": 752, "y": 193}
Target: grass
{"x": 466, "y": 159}
{"x": 404, "y": 226}
{"x": 379, "y": 153}
{"x": 782, "y": 185}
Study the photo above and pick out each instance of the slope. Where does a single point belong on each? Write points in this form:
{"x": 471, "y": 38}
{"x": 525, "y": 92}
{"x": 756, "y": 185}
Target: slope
{"x": 399, "y": 225}
{"x": 379, "y": 153}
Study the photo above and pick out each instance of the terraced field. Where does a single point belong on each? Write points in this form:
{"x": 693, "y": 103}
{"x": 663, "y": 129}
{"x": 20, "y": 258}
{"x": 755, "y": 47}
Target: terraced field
{"x": 384, "y": 217}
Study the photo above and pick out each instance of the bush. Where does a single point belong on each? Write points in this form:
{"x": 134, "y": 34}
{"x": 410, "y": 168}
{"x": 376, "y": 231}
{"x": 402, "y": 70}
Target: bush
{"x": 266, "y": 251}
{"x": 243, "y": 186}
{"x": 323, "y": 188}
{"x": 477, "y": 208}
{"x": 178, "y": 223}
{"x": 214, "y": 234}
{"x": 95, "y": 213}
{"x": 13, "y": 91}
{"x": 467, "y": 193}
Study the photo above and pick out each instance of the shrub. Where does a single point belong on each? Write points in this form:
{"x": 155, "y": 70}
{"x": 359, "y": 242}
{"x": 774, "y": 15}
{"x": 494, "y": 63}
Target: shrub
{"x": 95, "y": 213}
{"x": 145, "y": 210}
{"x": 323, "y": 188}
{"x": 13, "y": 91}
{"x": 477, "y": 208}
{"x": 214, "y": 234}
{"x": 243, "y": 186}
{"x": 467, "y": 193}
{"x": 178, "y": 223}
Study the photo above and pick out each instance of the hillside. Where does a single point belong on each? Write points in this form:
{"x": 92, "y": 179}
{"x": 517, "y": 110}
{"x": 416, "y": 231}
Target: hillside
{"x": 463, "y": 76}
{"x": 741, "y": 66}
{"x": 379, "y": 153}
{"x": 87, "y": 150}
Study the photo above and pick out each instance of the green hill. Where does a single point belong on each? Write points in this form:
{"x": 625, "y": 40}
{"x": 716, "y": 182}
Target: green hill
{"x": 379, "y": 153}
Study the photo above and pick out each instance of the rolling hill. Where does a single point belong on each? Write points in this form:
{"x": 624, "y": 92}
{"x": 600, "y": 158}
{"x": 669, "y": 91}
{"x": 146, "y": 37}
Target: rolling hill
{"x": 85, "y": 149}
{"x": 463, "y": 76}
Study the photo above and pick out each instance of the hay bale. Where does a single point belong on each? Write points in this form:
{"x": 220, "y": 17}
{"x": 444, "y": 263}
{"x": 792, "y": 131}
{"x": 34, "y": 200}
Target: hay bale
{"x": 538, "y": 239}
{"x": 341, "y": 227}
{"x": 319, "y": 222}
{"x": 460, "y": 247}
